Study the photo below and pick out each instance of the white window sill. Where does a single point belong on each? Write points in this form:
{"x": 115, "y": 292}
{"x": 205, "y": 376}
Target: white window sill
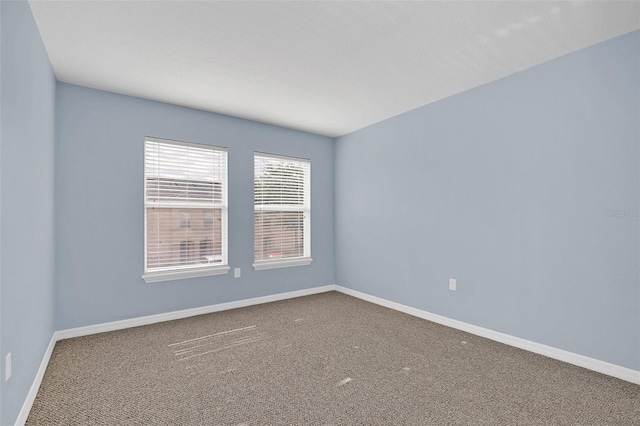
{"x": 154, "y": 277}
{"x": 283, "y": 263}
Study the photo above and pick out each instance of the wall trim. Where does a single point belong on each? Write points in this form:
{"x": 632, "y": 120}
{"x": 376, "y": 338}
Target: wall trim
{"x": 593, "y": 364}
{"x": 35, "y": 386}
{"x": 146, "y": 320}
{"x": 599, "y": 366}
{"x": 185, "y": 313}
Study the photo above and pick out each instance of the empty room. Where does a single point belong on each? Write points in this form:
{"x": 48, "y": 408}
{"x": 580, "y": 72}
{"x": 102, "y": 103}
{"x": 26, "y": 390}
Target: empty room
{"x": 319, "y": 212}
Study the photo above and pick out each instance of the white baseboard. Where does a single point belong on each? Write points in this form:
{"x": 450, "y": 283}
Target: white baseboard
{"x": 33, "y": 391}
{"x": 150, "y": 319}
{"x": 168, "y": 316}
{"x": 603, "y": 367}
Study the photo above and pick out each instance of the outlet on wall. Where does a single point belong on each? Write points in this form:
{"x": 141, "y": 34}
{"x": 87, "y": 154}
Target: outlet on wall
{"x": 452, "y": 284}
{"x": 236, "y": 273}
{"x": 7, "y": 367}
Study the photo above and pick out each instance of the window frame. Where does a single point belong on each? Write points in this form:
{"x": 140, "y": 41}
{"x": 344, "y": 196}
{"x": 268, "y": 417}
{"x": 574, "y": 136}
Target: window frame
{"x": 188, "y": 271}
{"x": 305, "y": 259}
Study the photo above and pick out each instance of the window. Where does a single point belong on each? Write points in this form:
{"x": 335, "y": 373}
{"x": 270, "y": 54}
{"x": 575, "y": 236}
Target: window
{"x": 282, "y": 211}
{"x": 185, "y": 188}
{"x": 207, "y": 220}
{"x": 185, "y": 220}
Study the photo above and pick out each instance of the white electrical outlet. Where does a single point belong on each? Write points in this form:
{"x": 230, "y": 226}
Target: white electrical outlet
{"x": 7, "y": 367}
{"x": 236, "y": 273}
{"x": 452, "y": 284}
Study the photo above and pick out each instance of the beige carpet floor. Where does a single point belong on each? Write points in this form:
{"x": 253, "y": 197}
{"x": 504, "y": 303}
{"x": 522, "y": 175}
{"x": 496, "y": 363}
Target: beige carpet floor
{"x": 326, "y": 359}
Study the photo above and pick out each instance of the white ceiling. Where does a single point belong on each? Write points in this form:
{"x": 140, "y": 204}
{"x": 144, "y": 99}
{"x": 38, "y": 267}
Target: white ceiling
{"x": 323, "y": 67}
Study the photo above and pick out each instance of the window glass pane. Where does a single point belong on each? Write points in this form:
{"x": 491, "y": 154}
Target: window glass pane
{"x": 176, "y": 190}
{"x": 279, "y": 182}
{"x": 279, "y": 235}
{"x": 170, "y": 243}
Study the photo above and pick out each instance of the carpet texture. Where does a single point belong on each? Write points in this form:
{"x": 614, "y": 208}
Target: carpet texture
{"x": 326, "y": 359}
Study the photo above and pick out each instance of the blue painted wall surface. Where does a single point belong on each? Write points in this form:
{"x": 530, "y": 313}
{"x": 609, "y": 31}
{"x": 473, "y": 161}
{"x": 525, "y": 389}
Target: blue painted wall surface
{"x": 27, "y": 202}
{"x": 1, "y": 351}
{"x": 525, "y": 190}
{"x": 100, "y": 208}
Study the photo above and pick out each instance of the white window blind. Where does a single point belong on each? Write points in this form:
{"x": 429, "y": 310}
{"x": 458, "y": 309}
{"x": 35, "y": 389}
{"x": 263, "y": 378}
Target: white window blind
{"x": 185, "y": 210}
{"x": 282, "y": 211}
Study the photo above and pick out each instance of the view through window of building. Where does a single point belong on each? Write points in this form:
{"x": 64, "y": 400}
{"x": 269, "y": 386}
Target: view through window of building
{"x": 281, "y": 211}
{"x": 185, "y": 207}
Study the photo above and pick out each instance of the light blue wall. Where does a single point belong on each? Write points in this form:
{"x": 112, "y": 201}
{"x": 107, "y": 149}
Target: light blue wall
{"x": 1, "y": 351}
{"x": 99, "y": 207}
{"x": 26, "y": 202}
{"x": 506, "y": 187}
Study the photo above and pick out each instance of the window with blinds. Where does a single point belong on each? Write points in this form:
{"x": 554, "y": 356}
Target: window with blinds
{"x": 282, "y": 211}
{"x": 185, "y": 188}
